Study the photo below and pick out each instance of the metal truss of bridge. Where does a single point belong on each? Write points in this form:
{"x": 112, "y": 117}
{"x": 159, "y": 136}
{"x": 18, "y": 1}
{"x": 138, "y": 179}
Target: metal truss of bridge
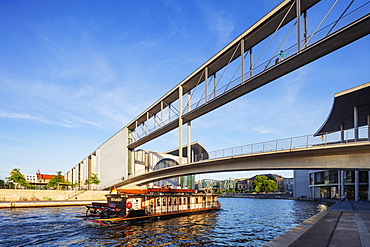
{"x": 277, "y": 44}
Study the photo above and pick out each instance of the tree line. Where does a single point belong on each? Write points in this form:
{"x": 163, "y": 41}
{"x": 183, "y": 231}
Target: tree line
{"x": 18, "y": 180}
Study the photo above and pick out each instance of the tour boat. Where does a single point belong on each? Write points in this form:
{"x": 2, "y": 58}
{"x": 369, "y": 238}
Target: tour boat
{"x": 144, "y": 204}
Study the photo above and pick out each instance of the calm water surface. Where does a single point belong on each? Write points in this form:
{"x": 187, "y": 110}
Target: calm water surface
{"x": 241, "y": 222}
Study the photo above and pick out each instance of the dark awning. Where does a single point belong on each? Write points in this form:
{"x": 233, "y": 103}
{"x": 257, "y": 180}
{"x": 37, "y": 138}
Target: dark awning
{"x": 342, "y": 112}
{"x": 196, "y": 148}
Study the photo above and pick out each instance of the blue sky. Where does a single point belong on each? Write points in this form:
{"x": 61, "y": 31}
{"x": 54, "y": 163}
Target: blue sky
{"x": 72, "y": 73}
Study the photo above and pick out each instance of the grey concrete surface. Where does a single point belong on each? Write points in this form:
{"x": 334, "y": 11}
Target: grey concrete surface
{"x": 344, "y": 224}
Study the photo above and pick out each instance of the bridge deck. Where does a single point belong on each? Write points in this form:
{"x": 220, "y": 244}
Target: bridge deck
{"x": 336, "y": 156}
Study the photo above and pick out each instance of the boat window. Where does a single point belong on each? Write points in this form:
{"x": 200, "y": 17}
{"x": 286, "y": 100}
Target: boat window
{"x": 174, "y": 201}
{"x": 188, "y": 200}
{"x": 196, "y": 200}
{"x": 158, "y": 202}
{"x": 164, "y": 201}
{"x": 180, "y": 199}
{"x": 169, "y": 202}
{"x": 204, "y": 198}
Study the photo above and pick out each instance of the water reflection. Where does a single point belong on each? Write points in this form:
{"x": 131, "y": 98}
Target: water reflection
{"x": 241, "y": 222}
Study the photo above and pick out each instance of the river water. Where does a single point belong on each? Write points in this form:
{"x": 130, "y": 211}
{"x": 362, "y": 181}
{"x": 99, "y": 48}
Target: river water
{"x": 240, "y": 222}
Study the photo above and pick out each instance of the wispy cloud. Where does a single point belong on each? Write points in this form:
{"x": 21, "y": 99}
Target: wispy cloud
{"x": 218, "y": 22}
{"x": 21, "y": 116}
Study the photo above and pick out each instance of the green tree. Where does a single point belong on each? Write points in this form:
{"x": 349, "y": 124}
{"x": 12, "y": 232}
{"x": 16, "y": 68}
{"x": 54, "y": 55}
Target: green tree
{"x": 264, "y": 184}
{"x": 93, "y": 179}
{"x": 56, "y": 180}
{"x": 17, "y": 177}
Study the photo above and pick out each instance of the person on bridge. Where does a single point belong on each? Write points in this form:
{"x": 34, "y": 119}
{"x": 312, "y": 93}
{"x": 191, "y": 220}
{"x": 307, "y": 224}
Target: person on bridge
{"x": 281, "y": 55}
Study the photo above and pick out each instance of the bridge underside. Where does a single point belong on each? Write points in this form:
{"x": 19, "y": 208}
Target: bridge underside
{"x": 315, "y": 158}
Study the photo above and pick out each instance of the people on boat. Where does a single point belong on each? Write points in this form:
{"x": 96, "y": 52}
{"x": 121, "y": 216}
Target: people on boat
{"x": 162, "y": 186}
{"x": 155, "y": 186}
{"x": 178, "y": 187}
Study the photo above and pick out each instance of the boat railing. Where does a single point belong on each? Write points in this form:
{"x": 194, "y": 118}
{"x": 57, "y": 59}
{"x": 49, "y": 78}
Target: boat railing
{"x": 169, "y": 190}
{"x": 179, "y": 208}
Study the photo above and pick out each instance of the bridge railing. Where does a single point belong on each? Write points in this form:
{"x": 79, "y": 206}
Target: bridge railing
{"x": 306, "y": 141}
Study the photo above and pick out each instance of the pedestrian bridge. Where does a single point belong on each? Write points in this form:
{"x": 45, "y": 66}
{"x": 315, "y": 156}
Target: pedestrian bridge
{"x": 282, "y": 41}
{"x": 323, "y": 152}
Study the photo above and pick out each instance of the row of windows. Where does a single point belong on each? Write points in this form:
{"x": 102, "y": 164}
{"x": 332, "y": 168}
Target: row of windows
{"x": 180, "y": 201}
{"x": 331, "y": 177}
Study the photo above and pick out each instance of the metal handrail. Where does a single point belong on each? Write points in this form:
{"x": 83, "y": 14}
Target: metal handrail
{"x": 292, "y": 143}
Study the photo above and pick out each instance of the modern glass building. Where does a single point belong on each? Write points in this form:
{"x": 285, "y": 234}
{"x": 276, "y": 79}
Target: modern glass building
{"x": 335, "y": 183}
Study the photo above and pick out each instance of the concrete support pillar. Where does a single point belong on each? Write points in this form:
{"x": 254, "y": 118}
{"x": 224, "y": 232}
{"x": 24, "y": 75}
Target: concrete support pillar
{"x": 368, "y": 129}
{"x": 341, "y": 133}
{"x": 298, "y": 13}
{"x": 355, "y": 122}
{"x": 357, "y": 185}
{"x": 169, "y": 113}
{"x": 342, "y": 173}
{"x": 206, "y": 85}
{"x": 189, "y": 131}
{"x": 242, "y": 59}
{"x": 339, "y": 184}
{"x": 136, "y": 134}
{"x": 147, "y": 123}
{"x": 161, "y": 114}
{"x": 154, "y": 121}
{"x": 214, "y": 85}
{"x": 250, "y": 63}
{"x": 305, "y": 26}
{"x": 368, "y": 185}
{"x": 180, "y": 124}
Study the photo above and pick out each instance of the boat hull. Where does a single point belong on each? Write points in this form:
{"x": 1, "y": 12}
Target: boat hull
{"x": 133, "y": 216}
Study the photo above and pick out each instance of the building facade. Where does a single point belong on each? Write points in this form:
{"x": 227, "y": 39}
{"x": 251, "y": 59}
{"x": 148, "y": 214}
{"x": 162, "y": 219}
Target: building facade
{"x": 289, "y": 184}
{"x": 332, "y": 184}
{"x": 245, "y": 185}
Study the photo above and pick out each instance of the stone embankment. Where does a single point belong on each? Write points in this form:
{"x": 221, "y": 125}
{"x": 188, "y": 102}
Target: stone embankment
{"x": 51, "y": 195}
{"x": 345, "y": 224}
{"x": 259, "y": 196}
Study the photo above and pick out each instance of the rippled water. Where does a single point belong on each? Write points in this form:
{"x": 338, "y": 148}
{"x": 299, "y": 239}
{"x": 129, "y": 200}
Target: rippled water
{"x": 241, "y": 222}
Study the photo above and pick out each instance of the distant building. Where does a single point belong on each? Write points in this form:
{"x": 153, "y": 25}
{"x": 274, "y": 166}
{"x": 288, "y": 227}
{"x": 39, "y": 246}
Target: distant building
{"x": 208, "y": 184}
{"x": 289, "y": 184}
{"x": 245, "y": 184}
{"x": 229, "y": 184}
{"x": 40, "y": 180}
{"x": 30, "y": 178}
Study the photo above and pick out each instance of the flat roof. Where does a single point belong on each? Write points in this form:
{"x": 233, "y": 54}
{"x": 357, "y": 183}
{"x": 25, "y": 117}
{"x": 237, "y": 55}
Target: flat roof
{"x": 342, "y": 112}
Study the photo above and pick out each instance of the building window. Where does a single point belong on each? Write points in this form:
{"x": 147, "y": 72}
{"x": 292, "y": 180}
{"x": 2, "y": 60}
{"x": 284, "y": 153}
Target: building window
{"x": 319, "y": 178}
{"x": 350, "y": 177}
{"x": 333, "y": 177}
{"x": 364, "y": 176}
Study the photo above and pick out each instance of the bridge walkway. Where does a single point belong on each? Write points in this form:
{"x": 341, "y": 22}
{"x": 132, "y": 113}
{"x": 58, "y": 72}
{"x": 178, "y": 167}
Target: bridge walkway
{"x": 345, "y": 224}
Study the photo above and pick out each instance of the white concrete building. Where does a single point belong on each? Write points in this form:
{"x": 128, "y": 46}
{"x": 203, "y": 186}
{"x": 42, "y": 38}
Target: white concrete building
{"x": 113, "y": 162}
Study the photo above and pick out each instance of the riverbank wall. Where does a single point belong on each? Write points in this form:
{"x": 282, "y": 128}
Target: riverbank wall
{"x": 261, "y": 196}
{"x": 51, "y": 195}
